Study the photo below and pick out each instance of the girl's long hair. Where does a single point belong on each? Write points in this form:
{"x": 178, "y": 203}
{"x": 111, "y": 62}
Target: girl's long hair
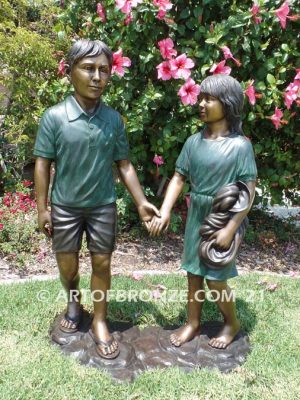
{"x": 230, "y": 93}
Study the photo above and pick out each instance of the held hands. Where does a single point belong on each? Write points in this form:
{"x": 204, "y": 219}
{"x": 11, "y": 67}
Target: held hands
{"x": 44, "y": 222}
{"x": 147, "y": 211}
{"x": 223, "y": 238}
{"x": 159, "y": 224}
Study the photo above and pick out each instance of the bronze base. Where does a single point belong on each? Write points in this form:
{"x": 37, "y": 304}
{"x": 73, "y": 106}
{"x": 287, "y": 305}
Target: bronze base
{"x": 143, "y": 350}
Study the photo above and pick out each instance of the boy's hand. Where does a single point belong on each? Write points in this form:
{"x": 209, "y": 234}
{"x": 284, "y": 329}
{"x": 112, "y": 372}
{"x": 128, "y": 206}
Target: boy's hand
{"x": 223, "y": 237}
{"x": 44, "y": 222}
{"x": 147, "y": 211}
{"x": 158, "y": 224}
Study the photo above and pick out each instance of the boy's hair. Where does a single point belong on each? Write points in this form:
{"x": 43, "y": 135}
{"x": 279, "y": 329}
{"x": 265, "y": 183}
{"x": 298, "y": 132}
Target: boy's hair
{"x": 88, "y": 48}
{"x": 230, "y": 93}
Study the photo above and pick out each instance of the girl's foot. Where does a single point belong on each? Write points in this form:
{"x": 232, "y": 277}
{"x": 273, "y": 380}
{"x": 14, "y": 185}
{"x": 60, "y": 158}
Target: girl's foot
{"x": 225, "y": 336}
{"x": 184, "y": 334}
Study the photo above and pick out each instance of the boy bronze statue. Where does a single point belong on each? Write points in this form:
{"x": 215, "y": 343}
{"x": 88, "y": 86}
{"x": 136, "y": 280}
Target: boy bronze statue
{"x": 83, "y": 136}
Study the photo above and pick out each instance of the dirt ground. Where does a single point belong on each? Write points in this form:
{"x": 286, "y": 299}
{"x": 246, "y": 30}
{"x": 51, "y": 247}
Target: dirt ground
{"x": 160, "y": 255}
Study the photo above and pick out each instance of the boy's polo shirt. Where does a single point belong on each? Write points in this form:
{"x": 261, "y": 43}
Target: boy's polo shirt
{"x": 83, "y": 148}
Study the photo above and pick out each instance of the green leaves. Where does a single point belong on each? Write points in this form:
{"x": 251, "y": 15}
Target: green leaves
{"x": 156, "y": 120}
{"x": 271, "y": 79}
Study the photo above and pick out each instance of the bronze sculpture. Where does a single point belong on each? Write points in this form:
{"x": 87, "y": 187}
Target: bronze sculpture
{"x": 83, "y": 136}
{"x": 211, "y": 159}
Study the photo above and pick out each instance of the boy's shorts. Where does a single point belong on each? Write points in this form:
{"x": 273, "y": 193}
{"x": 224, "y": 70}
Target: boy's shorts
{"x": 69, "y": 223}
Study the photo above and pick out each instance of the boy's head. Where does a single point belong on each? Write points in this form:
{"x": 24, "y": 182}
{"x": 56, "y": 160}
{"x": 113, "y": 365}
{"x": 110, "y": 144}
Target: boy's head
{"x": 88, "y": 48}
{"x": 89, "y": 68}
{"x": 230, "y": 93}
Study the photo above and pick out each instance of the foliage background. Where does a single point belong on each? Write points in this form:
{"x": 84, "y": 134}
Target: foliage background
{"x": 157, "y": 122}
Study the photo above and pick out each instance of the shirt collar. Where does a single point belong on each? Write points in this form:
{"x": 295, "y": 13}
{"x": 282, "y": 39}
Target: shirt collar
{"x": 74, "y": 111}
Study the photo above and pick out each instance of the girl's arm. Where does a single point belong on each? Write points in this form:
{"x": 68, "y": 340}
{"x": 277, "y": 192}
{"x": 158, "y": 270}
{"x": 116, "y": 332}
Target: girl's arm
{"x": 174, "y": 189}
{"x": 225, "y": 236}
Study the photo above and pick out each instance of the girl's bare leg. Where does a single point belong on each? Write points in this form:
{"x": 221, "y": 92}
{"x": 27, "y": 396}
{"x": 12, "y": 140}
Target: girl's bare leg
{"x": 226, "y": 303}
{"x": 196, "y": 296}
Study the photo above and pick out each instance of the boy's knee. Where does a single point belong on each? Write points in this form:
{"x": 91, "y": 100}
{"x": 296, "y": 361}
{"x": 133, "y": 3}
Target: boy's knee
{"x": 68, "y": 265}
{"x": 101, "y": 263}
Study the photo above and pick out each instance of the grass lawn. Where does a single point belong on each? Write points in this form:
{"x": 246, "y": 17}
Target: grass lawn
{"x": 31, "y": 368}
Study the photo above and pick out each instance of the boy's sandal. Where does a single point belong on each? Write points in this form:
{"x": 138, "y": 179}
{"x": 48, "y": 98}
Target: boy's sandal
{"x": 101, "y": 345}
{"x": 73, "y": 323}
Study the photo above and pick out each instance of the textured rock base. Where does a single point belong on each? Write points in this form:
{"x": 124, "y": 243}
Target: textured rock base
{"x": 143, "y": 350}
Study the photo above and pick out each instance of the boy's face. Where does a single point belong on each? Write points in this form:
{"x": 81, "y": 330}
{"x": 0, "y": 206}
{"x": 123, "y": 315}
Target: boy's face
{"x": 90, "y": 76}
{"x": 211, "y": 109}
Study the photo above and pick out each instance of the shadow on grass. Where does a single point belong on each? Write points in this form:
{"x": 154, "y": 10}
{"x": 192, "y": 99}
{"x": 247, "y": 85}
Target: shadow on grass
{"x": 149, "y": 313}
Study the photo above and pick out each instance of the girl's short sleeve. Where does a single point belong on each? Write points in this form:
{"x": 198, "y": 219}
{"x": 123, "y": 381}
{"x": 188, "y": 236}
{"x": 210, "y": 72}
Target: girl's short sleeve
{"x": 246, "y": 166}
{"x": 183, "y": 161}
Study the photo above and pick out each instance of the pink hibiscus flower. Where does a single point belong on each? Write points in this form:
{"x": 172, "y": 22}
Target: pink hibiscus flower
{"x": 220, "y": 68}
{"x": 125, "y": 6}
{"x": 128, "y": 19}
{"x": 61, "y": 68}
{"x": 227, "y": 54}
{"x": 189, "y": 92}
{"x": 282, "y": 14}
{"x": 276, "y": 118}
{"x": 250, "y": 93}
{"x": 291, "y": 93}
{"x": 166, "y": 47}
{"x": 164, "y": 71}
{"x": 101, "y": 12}
{"x": 119, "y": 62}
{"x": 158, "y": 160}
{"x": 163, "y": 4}
{"x": 254, "y": 11}
{"x": 181, "y": 66}
{"x": 161, "y": 14}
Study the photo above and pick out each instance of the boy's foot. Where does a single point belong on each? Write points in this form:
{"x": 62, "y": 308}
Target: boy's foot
{"x": 225, "y": 336}
{"x": 184, "y": 334}
{"x": 106, "y": 345}
{"x": 71, "y": 319}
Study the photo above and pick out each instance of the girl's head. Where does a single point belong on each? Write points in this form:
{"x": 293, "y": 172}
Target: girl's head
{"x": 230, "y": 93}
{"x": 88, "y": 48}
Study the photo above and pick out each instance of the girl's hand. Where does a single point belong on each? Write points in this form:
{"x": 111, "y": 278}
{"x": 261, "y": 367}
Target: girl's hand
{"x": 223, "y": 237}
{"x": 158, "y": 224}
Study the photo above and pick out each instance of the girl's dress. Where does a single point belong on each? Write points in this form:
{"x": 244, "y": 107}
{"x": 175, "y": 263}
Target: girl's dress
{"x": 208, "y": 165}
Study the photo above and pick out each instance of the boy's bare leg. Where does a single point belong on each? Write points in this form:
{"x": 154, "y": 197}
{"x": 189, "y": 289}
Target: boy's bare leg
{"x": 225, "y": 301}
{"x": 196, "y": 296}
{"x": 68, "y": 269}
{"x": 100, "y": 284}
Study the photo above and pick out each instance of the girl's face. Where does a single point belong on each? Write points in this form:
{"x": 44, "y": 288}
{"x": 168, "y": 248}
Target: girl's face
{"x": 211, "y": 109}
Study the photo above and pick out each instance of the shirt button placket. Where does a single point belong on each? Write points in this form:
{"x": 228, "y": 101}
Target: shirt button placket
{"x": 91, "y": 134}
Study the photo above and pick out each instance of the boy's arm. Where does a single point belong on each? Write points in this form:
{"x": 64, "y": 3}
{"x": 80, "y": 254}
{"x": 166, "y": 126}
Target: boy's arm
{"x": 129, "y": 177}
{"x": 174, "y": 189}
{"x": 42, "y": 180}
{"x": 225, "y": 236}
